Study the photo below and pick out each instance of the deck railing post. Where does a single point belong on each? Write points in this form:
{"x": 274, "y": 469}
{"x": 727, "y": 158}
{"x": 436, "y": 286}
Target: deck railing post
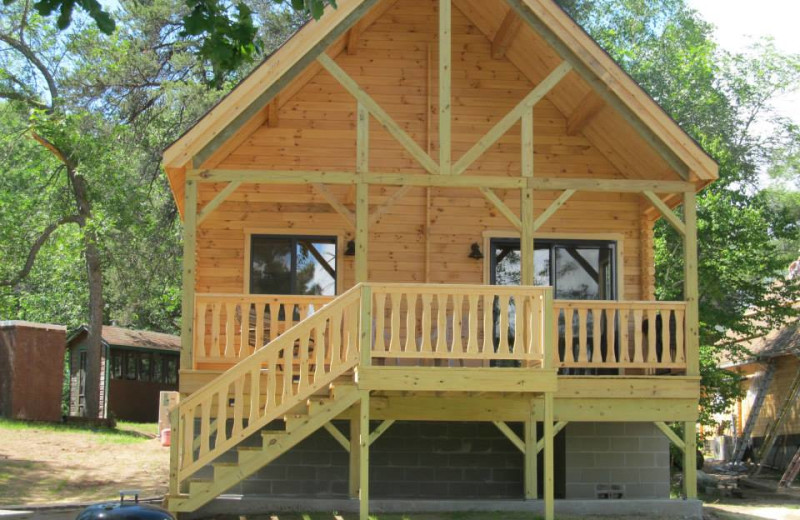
{"x": 690, "y": 289}
{"x": 189, "y": 269}
{"x": 174, "y": 453}
{"x": 548, "y": 334}
{"x": 365, "y": 330}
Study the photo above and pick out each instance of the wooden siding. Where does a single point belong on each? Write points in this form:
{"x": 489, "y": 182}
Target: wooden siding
{"x": 395, "y": 62}
{"x": 778, "y": 390}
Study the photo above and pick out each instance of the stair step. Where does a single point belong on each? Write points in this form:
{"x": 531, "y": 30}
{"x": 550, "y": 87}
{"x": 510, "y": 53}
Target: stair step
{"x": 342, "y": 387}
{"x": 199, "y": 485}
{"x": 270, "y": 437}
{"x": 222, "y": 468}
{"x": 245, "y": 453}
{"x": 313, "y": 404}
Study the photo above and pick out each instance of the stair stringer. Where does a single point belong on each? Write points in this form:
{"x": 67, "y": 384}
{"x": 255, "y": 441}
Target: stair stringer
{"x": 280, "y": 442}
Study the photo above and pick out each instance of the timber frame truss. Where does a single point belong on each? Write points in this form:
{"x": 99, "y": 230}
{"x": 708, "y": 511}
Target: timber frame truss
{"x": 444, "y": 171}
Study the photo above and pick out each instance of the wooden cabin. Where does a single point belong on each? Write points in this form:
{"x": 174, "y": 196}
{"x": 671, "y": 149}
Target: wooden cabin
{"x": 362, "y": 329}
{"x": 135, "y": 367}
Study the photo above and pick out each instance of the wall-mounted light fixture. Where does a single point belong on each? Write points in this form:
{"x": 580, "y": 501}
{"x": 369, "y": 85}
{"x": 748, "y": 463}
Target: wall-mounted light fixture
{"x": 475, "y": 251}
{"x": 350, "y": 250}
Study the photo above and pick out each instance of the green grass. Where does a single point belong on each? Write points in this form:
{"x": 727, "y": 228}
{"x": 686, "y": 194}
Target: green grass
{"x": 124, "y": 433}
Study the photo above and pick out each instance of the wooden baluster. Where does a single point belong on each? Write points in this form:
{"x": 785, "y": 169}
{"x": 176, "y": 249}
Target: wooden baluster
{"x": 275, "y": 329}
{"x": 667, "y": 356}
{"x": 536, "y": 327}
{"x": 319, "y": 353}
{"x": 488, "y": 326}
{"x": 230, "y": 318}
{"x": 335, "y": 339}
{"x": 442, "y": 300}
{"x": 472, "y": 341}
{"x": 411, "y": 322}
{"x": 244, "y": 332}
{"x": 652, "y": 340}
{"x": 288, "y": 373}
{"x": 379, "y": 314}
{"x": 205, "y": 426}
{"x": 352, "y": 353}
{"x": 394, "y": 342}
{"x": 680, "y": 345}
{"x": 222, "y": 415}
{"x": 425, "y": 325}
{"x": 569, "y": 353}
{"x": 638, "y": 348}
{"x": 611, "y": 327}
{"x": 215, "y": 346}
{"x": 188, "y": 436}
{"x": 272, "y": 382}
{"x": 502, "y": 327}
{"x": 597, "y": 340}
{"x": 303, "y": 310}
{"x": 519, "y": 325}
{"x": 200, "y": 332}
{"x": 259, "y": 339}
{"x": 458, "y": 316}
{"x": 583, "y": 353}
{"x": 238, "y": 405}
{"x": 624, "y": 335}
{"x": 303, "y": 360}
{"x": 255, "y": 393}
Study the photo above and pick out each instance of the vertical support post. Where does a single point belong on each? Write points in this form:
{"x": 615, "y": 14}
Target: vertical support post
{"x": 531, "y": 457}
{"x": 175, "y": 443}
{"x": 363, "y": 470}
{"x": 445, "y": 70}
{"x": 189, "y": 270}
{"x": 362, "y": 194}
{"x": 548, "y": 330}
{"x": 549, "y": 480}
{"x": 355, "y": 452}
{"x": 690, "y": 460}
{"x": 365, "y": 333}
{"x": 526, "y": 202}
{"x": 690, "y": 290}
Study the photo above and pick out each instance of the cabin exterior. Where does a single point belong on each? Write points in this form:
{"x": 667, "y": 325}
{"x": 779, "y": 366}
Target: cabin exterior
{"x": 418, "y": 264}
{"x": 135, "y": 367}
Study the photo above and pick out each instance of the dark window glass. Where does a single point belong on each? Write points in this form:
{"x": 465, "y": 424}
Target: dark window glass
{"x": 117, "y": 366}
{"x": 158, "y": 368}
{"x": 293, "y": 265}
{"x": 130, "y": 365}
{"x": 171, "y": 370}
{"x": 144, "y": 366}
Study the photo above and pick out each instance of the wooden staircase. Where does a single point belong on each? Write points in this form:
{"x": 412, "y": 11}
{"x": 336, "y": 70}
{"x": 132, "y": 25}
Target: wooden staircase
{"x": 301, "y": 422}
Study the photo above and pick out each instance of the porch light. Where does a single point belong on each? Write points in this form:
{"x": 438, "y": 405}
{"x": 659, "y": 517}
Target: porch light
{"x": 475, "y": 251}
{"x": 351, "y": 248}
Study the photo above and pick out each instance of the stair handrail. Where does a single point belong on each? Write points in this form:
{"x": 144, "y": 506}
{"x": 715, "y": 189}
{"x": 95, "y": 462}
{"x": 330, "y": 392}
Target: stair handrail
{"x": 259, "y": 416}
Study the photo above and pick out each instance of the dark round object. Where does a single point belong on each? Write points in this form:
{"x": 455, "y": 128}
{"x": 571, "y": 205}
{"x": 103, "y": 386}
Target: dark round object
{"x": 128, "y": 510}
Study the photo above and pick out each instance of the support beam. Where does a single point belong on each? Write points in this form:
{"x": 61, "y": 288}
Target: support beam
{"x": 510, "y": 435}
{"x": 355, "y": 454}
{"x": 526, "y": 196}
{"x": 549, "y": 462}
{"x": 380, "y": 430}
{"x": 437, "y": 181}
{"x": 587, "y": 109}
{"x": 504, "y": 210}
{"x": 363, "y": 469}
{"x": 510, "y": 119}
{"x": 556, "y": 429}
{"x": 531, "y": 458}
{"x": 189, "y": 273}
{"x": 666, "y": 212}
{"x": 338, "y": 436}
{"x": 600, "y": 86}
{"x": 362, "y": 195}
{"x": 378, "y": 212}
{"x": 671, "y": 435}
{"x": 505, "y": 34}
{"x": 445, "y": 101}
{"x": 690, "y": 460}
{"x": 272, "y": 113}
{"x": 379, "y": 114}
{"x": 690, "y": 291}
{"x": 340, "y": 208}
{"x": 552, "y": 208}
{"x": 216, "y": 201}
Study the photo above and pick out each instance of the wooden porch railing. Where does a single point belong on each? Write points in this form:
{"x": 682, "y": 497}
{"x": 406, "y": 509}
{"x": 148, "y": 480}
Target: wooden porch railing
{"x": 459, "y": 322}
{"x": 230, "y": 327}
{"x": 620, "y": 334}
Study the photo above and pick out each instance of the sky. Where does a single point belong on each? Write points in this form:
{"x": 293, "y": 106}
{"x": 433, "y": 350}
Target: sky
{"x": 738, "y": 22}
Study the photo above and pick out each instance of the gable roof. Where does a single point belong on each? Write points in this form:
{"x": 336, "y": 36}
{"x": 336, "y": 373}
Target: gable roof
{"x": 545, "y": 17}
{"x": 144, "y": 339}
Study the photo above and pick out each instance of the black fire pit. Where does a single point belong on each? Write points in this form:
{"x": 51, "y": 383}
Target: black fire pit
{"x": 127, "y": 510}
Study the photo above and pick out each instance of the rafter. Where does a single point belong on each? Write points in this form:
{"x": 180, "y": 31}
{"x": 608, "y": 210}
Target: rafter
{"x": 272, "y": 111}
{"x": 507, "y": 212}
{"x": 587, "y": 109}
{"x": 379, "y": 114}
{"x": 505, "y": 34}
{"x": 510, "y": 119}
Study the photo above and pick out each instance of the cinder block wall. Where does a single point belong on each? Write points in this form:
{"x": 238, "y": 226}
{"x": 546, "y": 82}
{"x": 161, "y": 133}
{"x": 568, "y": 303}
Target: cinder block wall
{"x": 635, "y": 455}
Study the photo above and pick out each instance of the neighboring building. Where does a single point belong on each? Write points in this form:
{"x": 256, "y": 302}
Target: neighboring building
{"x": 135, "y": 365}
{"x": 418, "y": 265}
{"x": 31, "y": 370}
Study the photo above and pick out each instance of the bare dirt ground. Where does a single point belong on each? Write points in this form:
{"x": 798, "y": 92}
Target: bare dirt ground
{"x": 43, "y": 466}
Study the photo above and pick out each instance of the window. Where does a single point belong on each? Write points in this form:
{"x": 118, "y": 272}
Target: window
{"x": 117, "y": 364}
{"x": 131, "y": 360}
{"x": 171, "y": 370}
{"x": 577, "y": 269}
{"x": 158, "y": 368}
{"x": 292, "y": 265}
{"x": 82, "y": 382}
{"x": 144, "y": 366}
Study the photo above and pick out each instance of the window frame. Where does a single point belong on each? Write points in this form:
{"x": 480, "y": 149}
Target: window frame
{"x": 304, "y": 234}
